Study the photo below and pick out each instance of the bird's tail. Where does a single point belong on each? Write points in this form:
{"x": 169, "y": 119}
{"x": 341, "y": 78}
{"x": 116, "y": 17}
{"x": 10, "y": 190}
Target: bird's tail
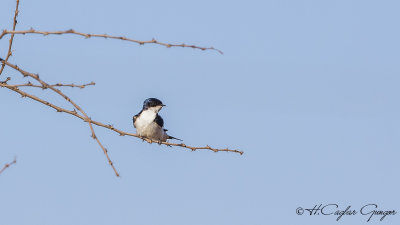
{"x": 170, "y": 137}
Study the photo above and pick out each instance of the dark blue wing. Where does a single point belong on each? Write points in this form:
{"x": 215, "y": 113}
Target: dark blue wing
{"x": 159, "y": 120}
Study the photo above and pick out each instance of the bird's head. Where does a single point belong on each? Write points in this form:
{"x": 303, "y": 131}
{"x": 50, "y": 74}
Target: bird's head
{"x": 153, "y": 104}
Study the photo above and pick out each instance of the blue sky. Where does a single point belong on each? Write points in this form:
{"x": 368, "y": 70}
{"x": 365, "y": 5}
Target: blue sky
{"x": 308, "y": 89}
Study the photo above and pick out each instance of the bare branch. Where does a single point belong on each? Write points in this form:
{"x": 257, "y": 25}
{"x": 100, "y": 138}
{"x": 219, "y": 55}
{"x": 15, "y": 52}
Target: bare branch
{"x": 9, "y": 53}
{"x": 29, "y": 84}
{"x": 71, "y": 31}
{"x": 8, "y": 165}
{"x": 73, "y": 85}
{"x": 77, "y": 111}
{"x": 90, "y": 121}
{"x": 59, "y": 92}
{"x": 25, "y": 94}
{"x": 110, "y": 127}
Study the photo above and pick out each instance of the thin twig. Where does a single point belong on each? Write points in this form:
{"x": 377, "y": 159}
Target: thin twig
{"x": 29, "y": 84}
{"x": 71, "y": 31}
{"x": 8, "y": 165}
{"x": 9, "y": 53}
{"x": 73, "y": 85}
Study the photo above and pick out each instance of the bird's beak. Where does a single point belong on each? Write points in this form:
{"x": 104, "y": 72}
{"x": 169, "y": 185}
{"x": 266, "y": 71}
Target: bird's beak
{"x": 163, "y": 105}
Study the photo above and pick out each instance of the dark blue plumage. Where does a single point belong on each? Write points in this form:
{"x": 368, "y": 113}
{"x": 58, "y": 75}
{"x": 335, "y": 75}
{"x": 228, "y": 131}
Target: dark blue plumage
{"x": 151, "y": 102}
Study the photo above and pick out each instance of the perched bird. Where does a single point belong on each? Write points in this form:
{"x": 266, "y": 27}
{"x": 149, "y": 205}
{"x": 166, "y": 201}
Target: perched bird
{"x": 149, "y": 124}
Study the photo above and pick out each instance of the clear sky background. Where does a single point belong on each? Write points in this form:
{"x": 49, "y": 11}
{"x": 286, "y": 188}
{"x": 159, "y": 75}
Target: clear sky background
{"x": 308, "y": 89}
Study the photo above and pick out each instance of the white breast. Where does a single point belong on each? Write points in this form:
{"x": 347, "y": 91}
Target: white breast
{"x": 145, "y": 119}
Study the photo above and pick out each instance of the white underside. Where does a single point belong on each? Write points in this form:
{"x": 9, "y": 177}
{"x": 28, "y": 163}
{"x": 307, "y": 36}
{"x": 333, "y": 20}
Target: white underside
{"x": 146, "y": 127}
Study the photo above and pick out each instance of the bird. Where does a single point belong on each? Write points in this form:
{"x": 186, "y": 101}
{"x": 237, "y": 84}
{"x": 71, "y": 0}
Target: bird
{"x": 149, "y": 124}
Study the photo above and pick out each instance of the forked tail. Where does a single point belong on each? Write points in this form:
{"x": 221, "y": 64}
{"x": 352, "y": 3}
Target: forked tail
{"x": 170, "y": 137}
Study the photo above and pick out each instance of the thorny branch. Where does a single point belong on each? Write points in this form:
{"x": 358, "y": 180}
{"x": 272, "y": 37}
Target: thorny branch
{"x": 71, "y": 31}
{"x": 110, "y": 127}
{"x": 29, "y": 84}
{"x": 8, "y": 165}
{"x": 11, "y": 38}
{"x": 59, "y": 92}
{"x": 77, "y": 111}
